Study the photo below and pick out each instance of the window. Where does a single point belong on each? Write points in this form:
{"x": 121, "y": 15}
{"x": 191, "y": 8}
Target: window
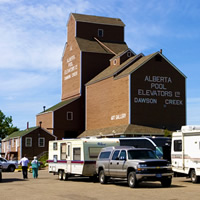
{"x": 55, "y": 158}
{"x": 177, "y": 145}
{"x": 115, "y": 155}
{"x": 13, "y": 142}
{"x": 104, "y": 155}
{"x": 69, "y": 115}
{"x": 128, "y": 54}
{"x": 55, "y": 146}
{"x": 68, "y": 150}
{"x": 100, "y": 32}
{"x": 76, "y": 153}
{"x": 115, "y": 62}
{"x": 94, "y": 152}
{"x": 63, "y": 151}
{"x": 122, "y": 155}
{"x": 28, "y": 142}
{"x": 41, "y": 142}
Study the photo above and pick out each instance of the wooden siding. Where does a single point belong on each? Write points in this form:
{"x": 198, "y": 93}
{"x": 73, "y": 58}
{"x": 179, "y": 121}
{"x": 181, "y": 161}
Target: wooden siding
{"x": 150, "y": 99}
{"x": 46, "y": 119}
{"x": 107, "y": 103}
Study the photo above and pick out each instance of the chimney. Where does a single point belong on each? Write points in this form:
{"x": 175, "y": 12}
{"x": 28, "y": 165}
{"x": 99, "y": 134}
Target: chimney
{"x": 27, "y": 125}
{"x": 40, "y": 124}
{"x": 161, "y": 51}
{"x": 44, "y": 108}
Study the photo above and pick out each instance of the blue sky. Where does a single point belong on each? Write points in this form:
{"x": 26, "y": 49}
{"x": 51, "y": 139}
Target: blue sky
{"x": 33, "y": 34}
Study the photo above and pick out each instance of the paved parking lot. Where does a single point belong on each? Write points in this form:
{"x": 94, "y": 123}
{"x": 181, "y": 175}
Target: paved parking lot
{"x": 48, "y": 187}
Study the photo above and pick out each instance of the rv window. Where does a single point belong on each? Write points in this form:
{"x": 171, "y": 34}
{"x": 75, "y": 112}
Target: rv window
{"x": 55, "y": 158}
{"x": 63, "y": 151}
{"x": 55, "y": 146}
{"x": 94, "y": 152}
{"x": 177, "y": 145}
{"x": 76, "y": 153}
{"x": 104, "y": 155}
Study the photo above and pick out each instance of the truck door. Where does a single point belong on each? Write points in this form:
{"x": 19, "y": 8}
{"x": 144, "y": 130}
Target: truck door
{"x": 121, "y": 167}
{"x": 114, "y": 162}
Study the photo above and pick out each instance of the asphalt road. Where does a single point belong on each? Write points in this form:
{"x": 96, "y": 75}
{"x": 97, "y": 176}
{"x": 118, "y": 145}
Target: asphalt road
{"x": 48, "y": 187}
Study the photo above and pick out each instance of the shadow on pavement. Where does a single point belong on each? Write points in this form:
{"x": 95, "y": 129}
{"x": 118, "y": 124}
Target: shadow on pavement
{"x": 8, "y": 180}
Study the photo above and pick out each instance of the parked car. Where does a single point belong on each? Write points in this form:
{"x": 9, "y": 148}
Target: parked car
{"x": 0, "y": 172}
{"x": 134, "y": 164}
{"x": 8, "y": 165}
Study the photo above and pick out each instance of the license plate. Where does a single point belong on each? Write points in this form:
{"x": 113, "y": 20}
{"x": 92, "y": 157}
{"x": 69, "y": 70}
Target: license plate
{"x": 158, "y": 175}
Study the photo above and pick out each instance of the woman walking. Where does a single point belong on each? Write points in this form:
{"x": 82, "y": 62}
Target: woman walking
{"x": 35, "y": 165}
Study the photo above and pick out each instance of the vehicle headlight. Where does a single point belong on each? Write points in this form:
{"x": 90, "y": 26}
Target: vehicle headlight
{"x": 141, "y": 167}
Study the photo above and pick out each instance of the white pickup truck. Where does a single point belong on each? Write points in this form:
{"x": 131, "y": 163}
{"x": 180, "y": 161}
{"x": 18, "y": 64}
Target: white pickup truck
{"x": 134, "y": 164}
{"x": 8, "y": 165}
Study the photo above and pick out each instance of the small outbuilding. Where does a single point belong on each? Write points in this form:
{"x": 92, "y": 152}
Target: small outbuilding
{"x": 33, "y": 141}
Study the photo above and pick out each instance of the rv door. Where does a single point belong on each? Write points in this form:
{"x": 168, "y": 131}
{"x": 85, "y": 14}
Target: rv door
{"x": 68, "y": 156}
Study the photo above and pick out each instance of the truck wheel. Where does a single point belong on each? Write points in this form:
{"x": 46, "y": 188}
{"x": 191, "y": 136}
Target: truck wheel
{"x": 194, "y": 177}
{"x": 132, "y": 181}
{"x": 166, "y": 182}
{"x": 65, "y": 176}
{"x": 60, "y": 175}
{"x": 102, "y": 178}
{"x": 11, "y": 168}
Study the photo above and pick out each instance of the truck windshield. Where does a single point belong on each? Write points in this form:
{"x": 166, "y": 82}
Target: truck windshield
{"x": 141, "y": 154}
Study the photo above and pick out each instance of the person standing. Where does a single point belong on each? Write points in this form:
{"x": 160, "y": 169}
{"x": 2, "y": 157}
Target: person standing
{"x": 24, "y": 163}
{"x": 35, "y": 165}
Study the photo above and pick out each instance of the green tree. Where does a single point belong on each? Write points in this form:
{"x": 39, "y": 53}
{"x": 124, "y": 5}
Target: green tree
{"x": 6, "y": 126}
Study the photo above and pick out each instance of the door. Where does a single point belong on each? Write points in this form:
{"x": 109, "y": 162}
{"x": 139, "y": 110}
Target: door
{"x": 177, "y": 154}
{"x": 114, "y": 162}
{"x": 69, "y": 166}
{"x": 121, "y": 168}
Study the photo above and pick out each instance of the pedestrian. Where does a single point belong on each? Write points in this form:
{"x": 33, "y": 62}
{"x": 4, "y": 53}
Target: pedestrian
{"x": 24, "y": 163}
{"x": 35, "y": 165}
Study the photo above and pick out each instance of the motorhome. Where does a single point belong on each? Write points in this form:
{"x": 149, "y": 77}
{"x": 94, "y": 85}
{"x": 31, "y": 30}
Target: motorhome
{"x": 185, "y": 152}
{"x": 160, "y": 145}
{"x": 70, "y": 157}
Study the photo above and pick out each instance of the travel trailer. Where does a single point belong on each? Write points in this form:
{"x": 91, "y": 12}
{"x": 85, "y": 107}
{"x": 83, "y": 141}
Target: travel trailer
{"x": 70, "y": 157}
{"x": 185, "y": 152}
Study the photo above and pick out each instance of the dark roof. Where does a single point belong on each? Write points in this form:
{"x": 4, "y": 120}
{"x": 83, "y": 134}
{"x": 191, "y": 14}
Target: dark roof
{"x": 136, "y": 65}
{"x": 94, "y": 47}
{"x": 110, "y": 71}
{"x": 141, "y": 62}
{"x": 60, "y": 105}
{"x": 121, "y": 53}
{"x": 20, "y": 133}
{"x": 98, "y": 19}
{"x": 123, "y": 130}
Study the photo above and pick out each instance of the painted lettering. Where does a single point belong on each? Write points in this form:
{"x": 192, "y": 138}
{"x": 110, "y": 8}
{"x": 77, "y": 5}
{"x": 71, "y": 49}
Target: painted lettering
{"x": 158, "y": 79}
{"x": 145, "y": 100}
{"x": 173, "y": 102}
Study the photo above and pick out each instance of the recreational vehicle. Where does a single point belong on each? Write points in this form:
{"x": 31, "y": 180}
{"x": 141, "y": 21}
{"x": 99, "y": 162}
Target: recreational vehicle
{"x": 185, "y": 152}
{"x": 69, "y": 157}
